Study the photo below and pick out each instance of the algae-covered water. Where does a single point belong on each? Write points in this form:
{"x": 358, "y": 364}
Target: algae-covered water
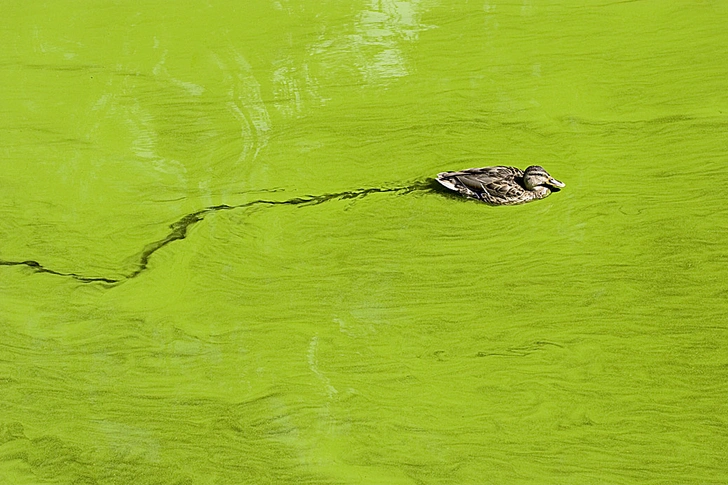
{"x": 221, "y": 261}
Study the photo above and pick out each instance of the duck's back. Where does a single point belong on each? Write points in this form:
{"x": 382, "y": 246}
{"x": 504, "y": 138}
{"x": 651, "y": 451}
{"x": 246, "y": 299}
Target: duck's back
{"x": 493, "y": 185}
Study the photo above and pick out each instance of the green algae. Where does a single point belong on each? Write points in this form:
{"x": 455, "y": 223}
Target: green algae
{"x": 393, "y": 337}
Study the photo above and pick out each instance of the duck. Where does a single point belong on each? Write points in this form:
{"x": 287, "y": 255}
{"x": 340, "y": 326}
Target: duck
{"x": 501, "y": 185}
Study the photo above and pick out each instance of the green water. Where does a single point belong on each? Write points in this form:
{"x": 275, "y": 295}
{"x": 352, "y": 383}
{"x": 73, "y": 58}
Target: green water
{"x": 396, "y": 337}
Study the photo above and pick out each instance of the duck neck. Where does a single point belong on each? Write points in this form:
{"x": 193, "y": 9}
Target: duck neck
{"x": 540, "y": 192}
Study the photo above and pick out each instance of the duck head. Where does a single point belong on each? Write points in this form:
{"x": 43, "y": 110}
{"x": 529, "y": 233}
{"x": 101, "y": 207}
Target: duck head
{"x": 535, "y": 176}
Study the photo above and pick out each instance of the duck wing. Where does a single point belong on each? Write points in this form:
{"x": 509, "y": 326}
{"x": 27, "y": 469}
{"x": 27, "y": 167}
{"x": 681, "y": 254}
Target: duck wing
{"x": 487, "y": 183}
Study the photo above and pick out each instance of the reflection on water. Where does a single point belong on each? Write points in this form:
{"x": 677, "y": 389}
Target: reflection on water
{"x": 370, "y": 47}
{"x": 246, "y": 103}
{"x": 291, "y": 85}
{"x": 374, "y": 46}
{"x": 381, "y": 29}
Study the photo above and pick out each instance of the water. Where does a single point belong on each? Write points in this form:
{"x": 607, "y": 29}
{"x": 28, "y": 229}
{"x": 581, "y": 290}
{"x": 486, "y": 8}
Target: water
{"x": 186, "y": 299}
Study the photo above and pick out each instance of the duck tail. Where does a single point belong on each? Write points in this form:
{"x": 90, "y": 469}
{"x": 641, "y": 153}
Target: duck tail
{"x": 444, "y": 179}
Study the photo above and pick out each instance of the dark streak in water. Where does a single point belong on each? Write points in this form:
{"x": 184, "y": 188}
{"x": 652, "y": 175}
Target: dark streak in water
{"x": 38, "y": 268}
{"x": 180, "y": 227}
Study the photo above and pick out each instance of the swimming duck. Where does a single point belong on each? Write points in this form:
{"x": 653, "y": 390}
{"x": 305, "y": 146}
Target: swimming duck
{"x": 501, "y": 185}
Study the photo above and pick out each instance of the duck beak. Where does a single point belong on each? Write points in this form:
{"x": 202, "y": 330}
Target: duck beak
{"x": 555, "y": 183}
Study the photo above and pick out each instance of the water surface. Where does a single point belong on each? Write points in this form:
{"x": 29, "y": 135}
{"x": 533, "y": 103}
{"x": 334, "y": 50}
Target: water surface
{"x": 208, "y": 275}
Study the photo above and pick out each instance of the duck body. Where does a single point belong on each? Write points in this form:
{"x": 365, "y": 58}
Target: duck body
{"x": 501, "y": 185}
